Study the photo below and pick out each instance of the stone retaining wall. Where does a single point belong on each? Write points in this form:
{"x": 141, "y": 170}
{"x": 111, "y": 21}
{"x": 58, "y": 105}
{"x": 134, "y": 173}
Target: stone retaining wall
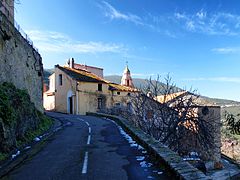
{"x": 21, "y": 64}
{"x": 182, "y": 169}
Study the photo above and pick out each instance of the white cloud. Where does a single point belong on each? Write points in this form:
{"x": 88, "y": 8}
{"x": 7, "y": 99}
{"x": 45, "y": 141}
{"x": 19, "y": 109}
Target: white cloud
{"x": 226, "y": 50}
{"x": 202, "y": 21}
{"x": 48, "y": 41}
{"x": 210, "y": 23}
{"x": 113, "y": 13}
{"x": 190, "y": 25}
{"x": 215, "y": 79}
{"x": 201, "y": 14}
{"x": 180, "y": 15}
{"x": 150, "y": 22}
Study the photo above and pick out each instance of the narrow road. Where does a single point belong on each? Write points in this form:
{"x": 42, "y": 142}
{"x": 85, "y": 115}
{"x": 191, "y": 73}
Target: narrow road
{"x": 91, "y": 148}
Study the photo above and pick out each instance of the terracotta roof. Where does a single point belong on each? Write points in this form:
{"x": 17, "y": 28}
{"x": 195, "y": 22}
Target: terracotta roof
{"x": 199, "y": 101}
{"x": 169, "y": 97}
{"x": 86, "y": 76}
{"x": 82, "y": 75}
{"x": 118, "y": 87}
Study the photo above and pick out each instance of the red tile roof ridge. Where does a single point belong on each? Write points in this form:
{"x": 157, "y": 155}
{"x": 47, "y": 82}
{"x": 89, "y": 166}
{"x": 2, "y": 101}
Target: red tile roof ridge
{"x": 92, "y": 75}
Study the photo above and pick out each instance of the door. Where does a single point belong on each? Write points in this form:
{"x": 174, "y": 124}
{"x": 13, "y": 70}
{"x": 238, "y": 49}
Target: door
{"x": 70, "y": 105}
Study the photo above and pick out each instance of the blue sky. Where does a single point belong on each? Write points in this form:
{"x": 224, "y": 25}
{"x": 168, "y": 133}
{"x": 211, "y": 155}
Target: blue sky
{"x": 196, "y": 41}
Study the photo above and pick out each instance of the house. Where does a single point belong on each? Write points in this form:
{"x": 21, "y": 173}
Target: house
{"x": 197, "y": 107}
{"x": 77, "y": 89}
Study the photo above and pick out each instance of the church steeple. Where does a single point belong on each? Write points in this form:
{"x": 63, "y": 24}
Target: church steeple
{"x": 126, "y": 78}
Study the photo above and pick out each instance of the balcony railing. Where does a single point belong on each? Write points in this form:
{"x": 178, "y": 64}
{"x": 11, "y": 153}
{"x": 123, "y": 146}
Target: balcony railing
{"x": 5, "y": 12}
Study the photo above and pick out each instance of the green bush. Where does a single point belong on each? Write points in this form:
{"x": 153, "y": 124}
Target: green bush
{"x": 44, "y": 125}
{"x": 233, "y": 123}
{"x": 19, "y": 117}
{"x": 6, "y": 107}
{"x": 3, "y": 156}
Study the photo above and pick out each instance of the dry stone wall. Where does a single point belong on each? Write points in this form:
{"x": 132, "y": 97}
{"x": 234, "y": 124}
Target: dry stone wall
{"x": 20, "y": 64}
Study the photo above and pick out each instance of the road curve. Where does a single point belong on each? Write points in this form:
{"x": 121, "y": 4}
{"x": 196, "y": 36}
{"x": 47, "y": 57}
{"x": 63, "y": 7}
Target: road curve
{"x": 91, "y": 148}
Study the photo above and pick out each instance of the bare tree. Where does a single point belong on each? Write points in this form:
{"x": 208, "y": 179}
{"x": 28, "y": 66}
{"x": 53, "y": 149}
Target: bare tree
{"x": 174, "y": 120}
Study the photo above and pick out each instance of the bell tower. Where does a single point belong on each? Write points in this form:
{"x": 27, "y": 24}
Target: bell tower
{"x": 126, "y": 78}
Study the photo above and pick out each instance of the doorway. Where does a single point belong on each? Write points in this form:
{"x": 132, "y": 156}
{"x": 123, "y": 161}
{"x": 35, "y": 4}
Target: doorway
{"x": 70, "y": 100}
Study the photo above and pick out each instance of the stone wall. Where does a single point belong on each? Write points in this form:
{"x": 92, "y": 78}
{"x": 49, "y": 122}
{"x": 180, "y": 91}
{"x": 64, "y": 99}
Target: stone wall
{"x": 21, "y": 64}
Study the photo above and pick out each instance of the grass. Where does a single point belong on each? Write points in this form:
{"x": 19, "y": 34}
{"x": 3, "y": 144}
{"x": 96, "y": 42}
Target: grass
{"x": 43, "y": 126}
{"x": 3, "y": 156}
{"x": 18, "y": 114}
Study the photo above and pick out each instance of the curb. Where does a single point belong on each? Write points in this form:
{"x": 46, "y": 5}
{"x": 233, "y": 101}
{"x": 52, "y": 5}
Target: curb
{"x": 10, "y": 164}
{"x": 173, "y": 162}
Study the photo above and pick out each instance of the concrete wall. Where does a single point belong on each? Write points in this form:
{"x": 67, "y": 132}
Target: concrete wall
{"x": 20, "y": 63}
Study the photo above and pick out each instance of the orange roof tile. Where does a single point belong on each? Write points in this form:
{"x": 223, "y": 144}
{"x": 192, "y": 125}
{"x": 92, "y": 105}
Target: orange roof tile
{"x": 86, "y": 76}
{"x": 169, "y": 97}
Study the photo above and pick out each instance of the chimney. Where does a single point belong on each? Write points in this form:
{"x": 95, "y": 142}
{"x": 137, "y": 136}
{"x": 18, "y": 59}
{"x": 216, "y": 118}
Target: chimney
{"x": 71, "y": 64}
{"x": 45, "y": 87}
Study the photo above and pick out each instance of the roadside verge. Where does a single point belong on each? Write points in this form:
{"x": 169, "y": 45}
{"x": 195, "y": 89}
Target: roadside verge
{"x": 30, "y": 149}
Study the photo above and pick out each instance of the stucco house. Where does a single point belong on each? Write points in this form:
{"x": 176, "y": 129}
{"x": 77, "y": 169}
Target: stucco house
{"x": 77, "y": 89}
{"x": 199, "y": 108}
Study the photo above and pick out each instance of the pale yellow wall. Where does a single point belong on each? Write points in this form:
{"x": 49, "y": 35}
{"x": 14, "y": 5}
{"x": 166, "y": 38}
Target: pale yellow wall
{"x": 48, "y": 102}
{"x": 52, "y": 83}
{"x": 87, "y": 94}
{"x": 92, "y": 87}
{"x": 61, "y": 91}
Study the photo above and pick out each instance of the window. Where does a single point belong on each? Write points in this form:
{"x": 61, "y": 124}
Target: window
{"x": 99, "y": 87}
{"x": 60, "y": 79}
{"x": 99, "y": 103}
{"x": 129, "y": 94}
{"x": 118, "y": 93}
{"x": 127, "y": 82}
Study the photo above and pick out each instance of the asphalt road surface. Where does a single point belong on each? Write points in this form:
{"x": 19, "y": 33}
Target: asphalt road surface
{"x": 90, "y": 148}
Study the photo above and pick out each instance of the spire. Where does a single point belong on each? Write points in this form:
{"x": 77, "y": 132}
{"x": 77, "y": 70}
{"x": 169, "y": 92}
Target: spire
{"x": 126, "y": 78}
{"x": 126, "y": 70}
